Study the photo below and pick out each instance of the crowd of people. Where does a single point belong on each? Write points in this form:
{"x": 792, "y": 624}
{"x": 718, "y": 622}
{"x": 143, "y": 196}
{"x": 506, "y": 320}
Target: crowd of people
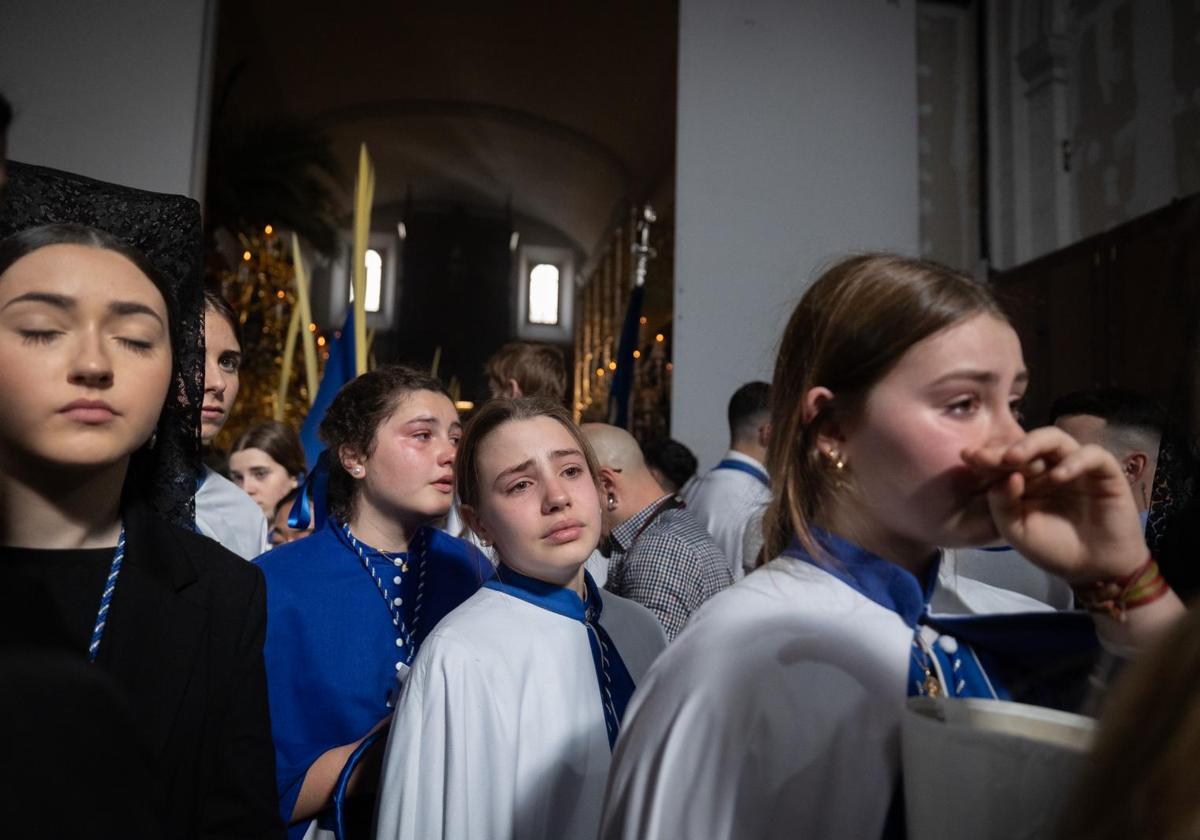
{"x": 519, "y": 627}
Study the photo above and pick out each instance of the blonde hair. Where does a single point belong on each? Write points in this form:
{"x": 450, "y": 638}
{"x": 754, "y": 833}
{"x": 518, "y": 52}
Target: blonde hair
{"x": 850, "y": 328}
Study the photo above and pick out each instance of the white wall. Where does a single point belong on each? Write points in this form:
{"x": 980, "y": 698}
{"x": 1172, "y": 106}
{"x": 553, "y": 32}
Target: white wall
{"x": 117, "y": 91}
{"x": 797, "y": 142}
{"x": 1123, "y": 94}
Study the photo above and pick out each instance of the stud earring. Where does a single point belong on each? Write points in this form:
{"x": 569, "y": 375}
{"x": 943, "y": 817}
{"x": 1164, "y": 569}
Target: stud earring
{"x": 836, "y": 458}
{"x": 612, "y": 502}
{"x": 357, "y": 471}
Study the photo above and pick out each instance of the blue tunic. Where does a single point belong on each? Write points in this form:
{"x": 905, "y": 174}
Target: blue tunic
{"x": 331, "y": 651}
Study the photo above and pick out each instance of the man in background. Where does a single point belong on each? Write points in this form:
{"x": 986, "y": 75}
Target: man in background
{"x": 660, "y": 555}
{"x": 672, "y": 464}
{"x": 1159, "y": 465}
{"x": 732, "y": 496}
{"x": 528, "y": 369}
{"x": 1128, "y": 425}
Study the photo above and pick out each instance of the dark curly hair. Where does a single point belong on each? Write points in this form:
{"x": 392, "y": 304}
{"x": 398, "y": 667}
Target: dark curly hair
{"x": 356, "y": 413}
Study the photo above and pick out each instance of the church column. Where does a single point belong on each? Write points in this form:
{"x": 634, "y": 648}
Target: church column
{"x": 797, "y": 143}
{"x": 1042, "y": 63}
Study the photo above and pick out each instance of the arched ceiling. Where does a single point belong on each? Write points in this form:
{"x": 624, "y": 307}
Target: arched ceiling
{"x": 566, "y": 109}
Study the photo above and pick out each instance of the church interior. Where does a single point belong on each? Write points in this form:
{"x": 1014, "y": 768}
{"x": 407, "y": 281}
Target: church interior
{"x": 1050, "y": 147}
{"x": 652, "y": 187}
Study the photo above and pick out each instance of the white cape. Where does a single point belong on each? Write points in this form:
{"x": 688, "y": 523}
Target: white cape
{"x": 775, "y": 714}
{"x": 728, "y": 504}
{"x": 500, "y": 732}
{"x": 226, "y": 514}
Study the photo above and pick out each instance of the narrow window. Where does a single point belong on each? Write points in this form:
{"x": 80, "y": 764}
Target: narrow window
{"x": 543, "y": 294}
{"x": 374, "y": 263}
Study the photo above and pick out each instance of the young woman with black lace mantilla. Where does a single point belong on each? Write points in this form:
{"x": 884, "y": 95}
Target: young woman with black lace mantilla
{"x": 100, "y": 364}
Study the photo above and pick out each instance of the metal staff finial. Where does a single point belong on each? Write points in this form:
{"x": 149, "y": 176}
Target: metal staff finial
{"x": 641, "y": 248}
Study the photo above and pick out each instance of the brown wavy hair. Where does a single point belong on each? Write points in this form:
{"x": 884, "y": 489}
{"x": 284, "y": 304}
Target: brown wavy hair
{"x": 850, "y": 328}
{"x": 355, "y": 415}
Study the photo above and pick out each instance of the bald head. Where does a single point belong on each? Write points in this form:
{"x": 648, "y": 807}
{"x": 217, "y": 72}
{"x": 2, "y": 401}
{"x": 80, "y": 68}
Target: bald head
{"x": 628, "y": 483}
{"x": 615, "y": 447}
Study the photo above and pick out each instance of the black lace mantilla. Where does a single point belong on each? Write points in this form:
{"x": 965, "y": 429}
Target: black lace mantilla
{"x": 167, "y": 229}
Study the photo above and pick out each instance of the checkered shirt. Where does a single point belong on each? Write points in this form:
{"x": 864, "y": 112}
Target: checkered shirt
{"x": 671, "y": 569}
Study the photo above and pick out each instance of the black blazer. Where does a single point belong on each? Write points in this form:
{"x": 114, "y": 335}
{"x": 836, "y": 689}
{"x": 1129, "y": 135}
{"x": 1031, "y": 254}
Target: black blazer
{"x": 185, "y": 640}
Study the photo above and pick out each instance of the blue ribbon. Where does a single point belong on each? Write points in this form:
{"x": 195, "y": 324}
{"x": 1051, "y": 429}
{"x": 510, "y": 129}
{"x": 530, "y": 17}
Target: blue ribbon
{"x": 311, "y": 507}
{"x": 748, "y": 469}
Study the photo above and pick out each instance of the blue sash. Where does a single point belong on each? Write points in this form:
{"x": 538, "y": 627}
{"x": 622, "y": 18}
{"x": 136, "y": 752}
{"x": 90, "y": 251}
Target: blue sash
{"x": 1041, "y": 657}
{"x": 748, "y": 469}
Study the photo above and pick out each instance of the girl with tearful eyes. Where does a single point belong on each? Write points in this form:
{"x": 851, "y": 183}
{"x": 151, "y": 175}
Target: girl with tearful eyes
{"x": 507, "y": 722}
{"x": 349, "y": 606}
{"x": 93, "y": 459}
{"x": 894, "y": 435}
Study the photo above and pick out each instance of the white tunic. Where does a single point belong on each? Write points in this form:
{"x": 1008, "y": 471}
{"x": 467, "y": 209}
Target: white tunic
{"x": 500, "y": 732}
{"x": 226, "y": 514}
{"x": 774, "y": 714}
{"x": 1007, "y": 569}
{"x": 725, "y": 501}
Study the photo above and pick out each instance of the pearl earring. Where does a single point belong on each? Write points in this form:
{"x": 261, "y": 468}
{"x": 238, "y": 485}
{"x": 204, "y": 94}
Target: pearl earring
{"x": 612, "y": 502}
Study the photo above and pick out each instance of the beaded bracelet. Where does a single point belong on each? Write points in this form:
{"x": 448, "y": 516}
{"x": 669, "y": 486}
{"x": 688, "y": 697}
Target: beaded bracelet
{"x": 1115, "y": 598}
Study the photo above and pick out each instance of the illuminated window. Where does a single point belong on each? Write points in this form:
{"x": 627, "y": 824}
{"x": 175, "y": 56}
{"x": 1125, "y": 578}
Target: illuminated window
{"x": 543, "y": 294}
{"x": 374, "y": 280}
